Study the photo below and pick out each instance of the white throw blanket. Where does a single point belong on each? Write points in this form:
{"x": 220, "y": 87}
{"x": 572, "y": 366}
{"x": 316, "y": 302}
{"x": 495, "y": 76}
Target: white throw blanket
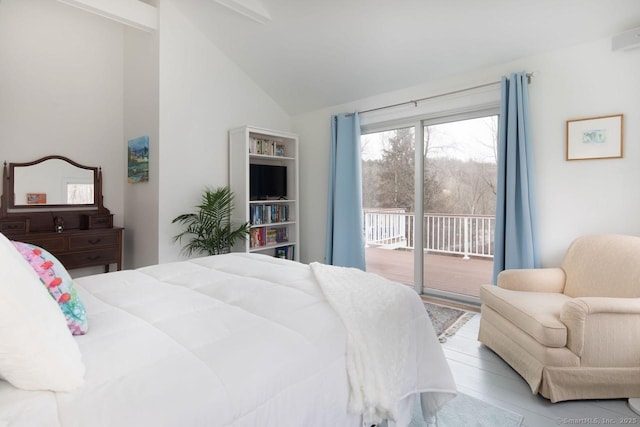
{"x": 380, "y": 317}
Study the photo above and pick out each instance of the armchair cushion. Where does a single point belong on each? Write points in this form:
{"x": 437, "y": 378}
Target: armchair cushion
{"x": 536, "y": 313}
{"x": 535, "y": 280}
{"x": 603, "y": 266}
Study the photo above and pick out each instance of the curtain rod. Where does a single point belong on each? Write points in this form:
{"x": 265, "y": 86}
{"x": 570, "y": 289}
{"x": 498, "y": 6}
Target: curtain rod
{"x": 415, "y": 101}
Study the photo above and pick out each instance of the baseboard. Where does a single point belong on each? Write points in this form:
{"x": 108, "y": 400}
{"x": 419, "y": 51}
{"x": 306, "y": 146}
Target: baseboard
{"x": 465, "y": 302}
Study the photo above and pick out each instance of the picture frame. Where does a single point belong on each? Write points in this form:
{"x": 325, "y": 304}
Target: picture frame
{"x": 138, "y": 160}
{"x": 36, "y": 198}
{"x": 595, "y": 138}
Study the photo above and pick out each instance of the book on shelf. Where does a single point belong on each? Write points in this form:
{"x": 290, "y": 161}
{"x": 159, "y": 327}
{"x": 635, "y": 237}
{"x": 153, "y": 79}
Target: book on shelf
{"x": 258, "y": 237}
{"x": 285, "y": 252}
{"x": 255, "y": 146}
{"x": 281, "y": 234}
{"x": 268, "y": 148}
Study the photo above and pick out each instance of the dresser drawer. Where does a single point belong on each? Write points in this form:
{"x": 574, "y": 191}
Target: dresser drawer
{"x": 90, "y": 257}
{"x": 13, "y": 227}
{"x": 53, "y": 244}
{"x": 93, "y": 240}
{"x": 90, "y": 222}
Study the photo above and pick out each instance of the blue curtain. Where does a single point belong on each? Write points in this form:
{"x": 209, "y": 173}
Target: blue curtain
{"x": 516, "y": 233}
{"x": 345, "y": 238}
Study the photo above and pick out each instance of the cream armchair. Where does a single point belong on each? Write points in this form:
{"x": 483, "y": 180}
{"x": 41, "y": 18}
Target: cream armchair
{"x": 571, "y": 332}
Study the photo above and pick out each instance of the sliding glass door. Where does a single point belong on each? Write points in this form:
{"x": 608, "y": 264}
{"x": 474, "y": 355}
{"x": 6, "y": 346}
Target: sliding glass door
{"x": 429, "y": 204}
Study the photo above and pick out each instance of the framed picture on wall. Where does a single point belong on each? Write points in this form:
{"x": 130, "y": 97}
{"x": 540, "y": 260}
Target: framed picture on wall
{"x": 138, "y": 160}
{"x": 595, "y": 138}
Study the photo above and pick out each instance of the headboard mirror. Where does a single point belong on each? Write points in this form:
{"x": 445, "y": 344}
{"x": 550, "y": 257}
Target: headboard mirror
{"x": 50, "y": 182}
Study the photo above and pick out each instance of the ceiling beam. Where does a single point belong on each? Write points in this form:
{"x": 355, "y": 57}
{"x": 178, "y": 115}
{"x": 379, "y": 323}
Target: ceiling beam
{"x": 252, "y": 9}
{"x": 133, "y": 13}
{"x": 626, "y": 41}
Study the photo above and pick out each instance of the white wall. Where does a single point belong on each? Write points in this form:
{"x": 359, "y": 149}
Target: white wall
{"x": 141, "y": 109}
{"x": 202, "y": 95}
{"x": 574, "y": 198}
{"x": 592, "y": 196}
{"x": 61, "y": 89}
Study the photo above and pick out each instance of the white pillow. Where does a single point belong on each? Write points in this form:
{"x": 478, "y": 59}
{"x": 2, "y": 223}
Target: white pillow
{"x": 37, "y": 351}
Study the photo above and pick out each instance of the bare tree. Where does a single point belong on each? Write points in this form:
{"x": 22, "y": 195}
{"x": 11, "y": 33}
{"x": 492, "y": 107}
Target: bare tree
{"x": 491, "y": 142}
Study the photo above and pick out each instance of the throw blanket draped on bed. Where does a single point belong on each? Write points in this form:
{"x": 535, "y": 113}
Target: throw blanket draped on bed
{"x": 380, "y": 339}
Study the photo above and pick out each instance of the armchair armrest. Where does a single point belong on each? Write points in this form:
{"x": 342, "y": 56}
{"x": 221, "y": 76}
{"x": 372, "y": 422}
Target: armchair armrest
{"x": 533, "y": 279}
{"x": 603, "y": 331}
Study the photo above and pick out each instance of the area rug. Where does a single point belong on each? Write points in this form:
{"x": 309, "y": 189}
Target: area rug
{"x": 446, "y": 320}
{"x": 464, "y": 410}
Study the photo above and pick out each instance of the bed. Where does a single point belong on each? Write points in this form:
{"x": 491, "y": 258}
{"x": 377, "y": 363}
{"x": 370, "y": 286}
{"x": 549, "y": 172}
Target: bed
{"x": 228, "y": 340}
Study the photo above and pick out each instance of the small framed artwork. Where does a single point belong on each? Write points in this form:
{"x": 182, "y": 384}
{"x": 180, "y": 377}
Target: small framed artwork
{"x": 36, "y": 198}
{"x": 595, "y": 138}
{"x": 138, "y": 160}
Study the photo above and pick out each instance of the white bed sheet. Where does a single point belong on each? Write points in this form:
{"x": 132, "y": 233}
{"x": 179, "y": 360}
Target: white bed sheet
{"x": 231, "y": 340}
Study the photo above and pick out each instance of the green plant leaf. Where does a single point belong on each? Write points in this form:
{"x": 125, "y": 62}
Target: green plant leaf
{"x": 209, "y": 229}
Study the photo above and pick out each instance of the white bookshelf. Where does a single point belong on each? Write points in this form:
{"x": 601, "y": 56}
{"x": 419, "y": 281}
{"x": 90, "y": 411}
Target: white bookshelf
{"x": 274, "y": 222}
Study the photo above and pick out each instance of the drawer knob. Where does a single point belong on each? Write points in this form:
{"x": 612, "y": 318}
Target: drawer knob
{"x": 95, "y": 241}
{"x": 93, "y": 258}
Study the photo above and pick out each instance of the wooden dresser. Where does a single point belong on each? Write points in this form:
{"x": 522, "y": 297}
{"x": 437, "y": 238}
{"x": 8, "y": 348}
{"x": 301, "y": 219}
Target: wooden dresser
{"x": 79, "y": 235}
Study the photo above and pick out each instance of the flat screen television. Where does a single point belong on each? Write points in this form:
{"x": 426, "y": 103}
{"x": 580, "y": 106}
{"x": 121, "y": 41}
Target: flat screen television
{"x": 268, "y": 182}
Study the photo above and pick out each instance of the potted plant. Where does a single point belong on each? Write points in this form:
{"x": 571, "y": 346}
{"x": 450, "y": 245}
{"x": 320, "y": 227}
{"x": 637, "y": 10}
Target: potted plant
{"x": 210, "y": 227}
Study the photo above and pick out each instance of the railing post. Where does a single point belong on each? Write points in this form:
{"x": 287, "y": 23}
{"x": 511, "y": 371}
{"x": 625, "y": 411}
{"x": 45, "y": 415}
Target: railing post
{"x": 466, "y": 238}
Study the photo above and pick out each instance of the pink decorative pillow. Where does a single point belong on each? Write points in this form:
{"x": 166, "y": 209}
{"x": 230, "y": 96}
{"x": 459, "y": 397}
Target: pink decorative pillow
{"x": 59, "y": 284}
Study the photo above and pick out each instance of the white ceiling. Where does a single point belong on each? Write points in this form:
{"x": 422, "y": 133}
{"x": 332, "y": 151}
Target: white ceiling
{"x": 318, "y": 53}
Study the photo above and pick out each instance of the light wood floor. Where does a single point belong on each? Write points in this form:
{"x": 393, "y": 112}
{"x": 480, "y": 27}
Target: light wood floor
{"x": 480, "y": 373}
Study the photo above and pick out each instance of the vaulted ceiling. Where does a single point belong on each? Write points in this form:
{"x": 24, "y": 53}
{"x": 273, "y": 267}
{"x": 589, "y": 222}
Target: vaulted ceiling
{"x": 310, "y": 54}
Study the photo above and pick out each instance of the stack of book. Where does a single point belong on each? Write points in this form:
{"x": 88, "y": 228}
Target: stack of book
{"x": 267, "y": 147}
{"x": 267, "y": 214}
{"x": 263, "y": 236}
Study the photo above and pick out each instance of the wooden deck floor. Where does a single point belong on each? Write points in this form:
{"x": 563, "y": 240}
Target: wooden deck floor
{"x": 442, "y": 272}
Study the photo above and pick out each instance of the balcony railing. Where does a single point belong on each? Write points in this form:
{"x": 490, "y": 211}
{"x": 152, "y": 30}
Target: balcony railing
{"x": 465, "y": 235}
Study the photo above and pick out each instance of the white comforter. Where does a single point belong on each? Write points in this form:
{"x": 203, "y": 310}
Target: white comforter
{"x": 232, "y": 340}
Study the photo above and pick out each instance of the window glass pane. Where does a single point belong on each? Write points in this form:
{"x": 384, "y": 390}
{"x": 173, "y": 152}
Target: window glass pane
{"x": 388, "y": 168}
{"x": 79, "y": 194}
